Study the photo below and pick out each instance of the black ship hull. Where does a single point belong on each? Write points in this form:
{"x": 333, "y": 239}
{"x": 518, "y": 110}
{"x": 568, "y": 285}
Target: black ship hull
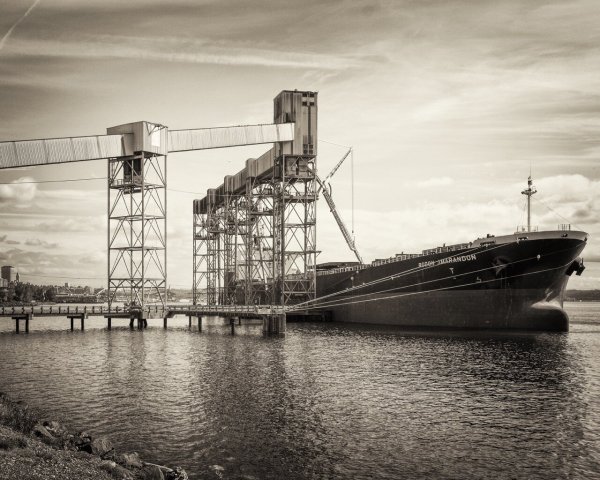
{"x": 512, "y": 282}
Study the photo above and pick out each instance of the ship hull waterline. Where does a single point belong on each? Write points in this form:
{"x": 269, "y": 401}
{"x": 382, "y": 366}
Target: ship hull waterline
{"x": 514, "y": 284}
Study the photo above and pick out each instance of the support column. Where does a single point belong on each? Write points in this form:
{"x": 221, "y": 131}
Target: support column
{"x": 199, "y": 323}
{"x": 17, "y": 324}
{"x": 232, "y": 323}
{"x": 71, "y": 318}
{"x": 274, "y": 324}
{"x": 137, "y": 211}
{"x": 27, "y": 323}
{"x": 109, "y": 323}
{"x": 82, "y": 322}
{"x": 190, "y": 322}
{"x": 131, "y": 321}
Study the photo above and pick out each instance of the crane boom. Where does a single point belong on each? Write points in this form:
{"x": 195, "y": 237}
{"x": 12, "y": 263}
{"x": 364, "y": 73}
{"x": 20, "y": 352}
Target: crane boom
{"x": 338, "y": 219}
{"x": 337, "y": 166}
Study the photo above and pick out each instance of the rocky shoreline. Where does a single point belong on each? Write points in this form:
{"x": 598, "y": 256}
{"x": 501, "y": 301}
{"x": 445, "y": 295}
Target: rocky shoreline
{"x": 32, "y": 447}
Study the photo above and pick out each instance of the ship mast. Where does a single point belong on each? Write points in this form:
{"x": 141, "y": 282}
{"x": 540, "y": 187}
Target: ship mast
{"x": 529, "y": 191}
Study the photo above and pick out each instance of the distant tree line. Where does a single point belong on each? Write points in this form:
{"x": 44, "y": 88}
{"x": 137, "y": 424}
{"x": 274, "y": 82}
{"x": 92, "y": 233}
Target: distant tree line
{"x": 583, "y": 295}
{"x": 27, "y": 293}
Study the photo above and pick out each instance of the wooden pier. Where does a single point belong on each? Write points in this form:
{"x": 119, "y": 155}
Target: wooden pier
{"x": 272, "y": 316}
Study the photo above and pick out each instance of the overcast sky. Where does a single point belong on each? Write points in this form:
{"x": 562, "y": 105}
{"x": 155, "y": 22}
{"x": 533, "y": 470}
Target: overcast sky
{"x": 448, "y": 105}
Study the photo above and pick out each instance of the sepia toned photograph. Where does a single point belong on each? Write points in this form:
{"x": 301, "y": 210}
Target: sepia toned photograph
{"x": 267, "y": 239}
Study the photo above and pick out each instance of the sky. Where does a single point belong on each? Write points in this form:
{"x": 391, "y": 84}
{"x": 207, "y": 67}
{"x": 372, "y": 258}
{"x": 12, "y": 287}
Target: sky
{"x": 448, "y": 105}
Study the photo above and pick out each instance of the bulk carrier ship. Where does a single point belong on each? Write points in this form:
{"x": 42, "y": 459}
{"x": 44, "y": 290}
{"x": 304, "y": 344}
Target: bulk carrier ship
{"x": 514, "y": 281}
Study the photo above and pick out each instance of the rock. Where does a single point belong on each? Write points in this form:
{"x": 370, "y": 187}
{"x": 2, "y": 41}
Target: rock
{"x": 151, "y": 472}
{"x": 101, "y": 446}
{"x": 129, "y": 460}
{"x": 117, "y": 471}
{"x": 177, "y": 473}
{"x": 42, "y": 432}
{"x": 83, "y": 442}
{"x": 54, "y": 428}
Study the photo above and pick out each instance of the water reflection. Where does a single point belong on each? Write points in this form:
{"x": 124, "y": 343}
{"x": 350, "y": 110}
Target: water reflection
{"x": 326, "y": 401}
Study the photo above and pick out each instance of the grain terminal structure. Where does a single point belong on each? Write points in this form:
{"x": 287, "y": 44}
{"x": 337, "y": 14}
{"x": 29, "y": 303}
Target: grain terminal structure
{"x": 255, "y": 234}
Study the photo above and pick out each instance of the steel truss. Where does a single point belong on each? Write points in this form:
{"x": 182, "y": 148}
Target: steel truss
{"x": 255, "y": 241}
{"x": 260, "y": 242}
{"x": 137, "y": 234}
{"x": 294, "y": 224}
{"x": 201, "y": 257}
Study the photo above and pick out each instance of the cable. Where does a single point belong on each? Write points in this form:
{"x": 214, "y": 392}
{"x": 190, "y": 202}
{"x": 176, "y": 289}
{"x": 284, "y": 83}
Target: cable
{"x": 332, "y": 302}
{"x": 59, "y": 276}
{"x": 443, "y": 288}
{"x": 333, "y": 143}
{"x": 352, "y": 186}
{"x": 398, "y": 275}
{"x": 556, "y": 213}
{"x": 92, "y": 178}
{"x": 54, "y": 181}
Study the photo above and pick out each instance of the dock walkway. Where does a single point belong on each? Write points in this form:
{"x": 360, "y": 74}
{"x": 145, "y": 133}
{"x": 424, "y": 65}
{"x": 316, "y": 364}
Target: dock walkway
{"x": 273, "y": 316}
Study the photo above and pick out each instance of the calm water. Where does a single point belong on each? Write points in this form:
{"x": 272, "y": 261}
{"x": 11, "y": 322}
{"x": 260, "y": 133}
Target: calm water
{"x": 326, "y": 401}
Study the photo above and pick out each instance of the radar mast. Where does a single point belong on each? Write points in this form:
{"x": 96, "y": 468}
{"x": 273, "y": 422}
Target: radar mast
{"x": 529, "y": 191}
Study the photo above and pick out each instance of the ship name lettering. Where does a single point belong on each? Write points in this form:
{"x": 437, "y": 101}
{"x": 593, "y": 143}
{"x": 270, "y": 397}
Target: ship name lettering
{"x": 462, "y": 258}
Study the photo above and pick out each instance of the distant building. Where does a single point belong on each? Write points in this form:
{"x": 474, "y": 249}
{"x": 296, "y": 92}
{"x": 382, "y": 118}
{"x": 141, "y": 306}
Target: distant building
{"x": 8, "y": 273}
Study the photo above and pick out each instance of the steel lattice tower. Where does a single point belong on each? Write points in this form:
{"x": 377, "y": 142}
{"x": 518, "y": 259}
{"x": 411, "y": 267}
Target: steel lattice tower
{"x": 294, "y": 201}
{"x": 294, "y": 221}
{"x": 137, "y": 212}
{"x": 200, "y": 242}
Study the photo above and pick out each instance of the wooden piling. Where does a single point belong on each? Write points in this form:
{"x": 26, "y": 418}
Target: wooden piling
{"x": 199, "y": 323}
{"x": 71, "y": 318}
{"x": 109, "y": 322}
{"x": 17, "y": 324}
{"x": 165, "y": 323}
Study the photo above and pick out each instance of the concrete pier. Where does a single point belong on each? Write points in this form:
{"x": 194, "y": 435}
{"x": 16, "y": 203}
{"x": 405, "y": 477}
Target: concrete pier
{"x": 274, "y": 324}
{"x": 18, "y": 318}
{"x": 81, "y": 317}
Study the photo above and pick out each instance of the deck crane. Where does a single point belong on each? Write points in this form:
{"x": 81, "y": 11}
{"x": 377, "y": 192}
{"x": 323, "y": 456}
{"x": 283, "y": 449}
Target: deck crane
{"x": 325, "y": 188}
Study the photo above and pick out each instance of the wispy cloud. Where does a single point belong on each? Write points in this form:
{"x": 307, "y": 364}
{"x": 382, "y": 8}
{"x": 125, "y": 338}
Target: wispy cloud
{"x": 18, "y": 193}
{"x": 14, "y": 25}
{"x": 182, "y": 50}
{"x": 36, "y": 242}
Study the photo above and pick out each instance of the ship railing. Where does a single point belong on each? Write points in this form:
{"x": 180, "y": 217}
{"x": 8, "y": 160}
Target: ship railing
{"x": 353, "y": 268}
{"x": 523, "y": 229}
{"x": 564, "y": 227}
